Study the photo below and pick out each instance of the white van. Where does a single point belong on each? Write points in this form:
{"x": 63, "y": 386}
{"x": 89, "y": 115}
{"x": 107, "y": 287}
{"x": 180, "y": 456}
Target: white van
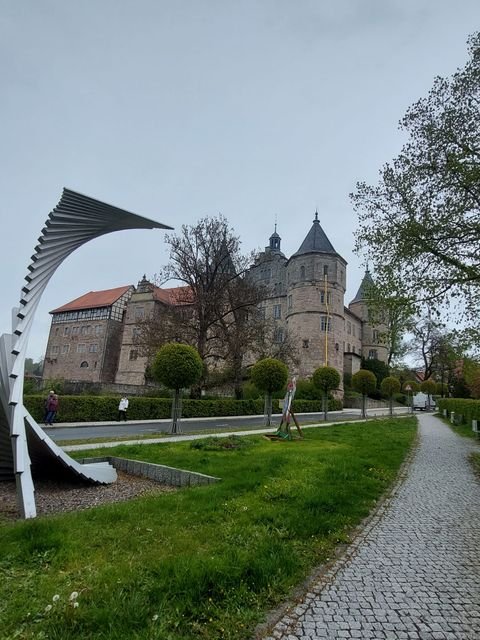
{"x": 421, "y": 402}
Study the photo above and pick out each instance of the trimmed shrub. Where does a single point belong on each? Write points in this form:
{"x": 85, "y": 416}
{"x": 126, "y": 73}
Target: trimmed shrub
{"x": 269, "y": 375}
{"x": 468, "y": 409}
{"x": 177, "y": 366}
{"x": 105, "y": 408}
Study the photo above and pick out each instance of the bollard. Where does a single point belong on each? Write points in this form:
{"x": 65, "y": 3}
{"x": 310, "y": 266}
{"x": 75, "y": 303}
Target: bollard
{"x": 452, "y": 417}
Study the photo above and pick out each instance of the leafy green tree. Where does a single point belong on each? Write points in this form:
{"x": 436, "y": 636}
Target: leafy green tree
{"x": 177, "y": 366}
{"x": 390, "y": 386}
{"x": 392, "y": 316}
{"x": 326, "y": 379}
{"x": 377, "y": 367}
{"x": 364, "y": 382}
{"x": 419, "y": 224}
{"x": 269, "y": 375}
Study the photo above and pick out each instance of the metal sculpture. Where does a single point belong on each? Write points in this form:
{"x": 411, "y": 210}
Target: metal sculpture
{"x": 24, "y": 446}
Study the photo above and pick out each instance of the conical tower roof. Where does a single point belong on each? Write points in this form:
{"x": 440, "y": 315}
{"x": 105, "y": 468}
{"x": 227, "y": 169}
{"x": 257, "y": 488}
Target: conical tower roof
{"x": 363, "y": 288}
{"x": 316, "y": 240}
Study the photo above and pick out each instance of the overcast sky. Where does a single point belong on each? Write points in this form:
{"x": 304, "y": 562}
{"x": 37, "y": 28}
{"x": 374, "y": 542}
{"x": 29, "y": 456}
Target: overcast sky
{"x": 258, "y": 109}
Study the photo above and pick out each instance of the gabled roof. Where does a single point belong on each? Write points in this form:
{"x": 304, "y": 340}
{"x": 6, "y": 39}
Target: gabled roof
{"x": 174, "y": 296}
{"x": 94, "y": 299}
{"x": 316, "y": 240}
{"x": 364, "y": 285}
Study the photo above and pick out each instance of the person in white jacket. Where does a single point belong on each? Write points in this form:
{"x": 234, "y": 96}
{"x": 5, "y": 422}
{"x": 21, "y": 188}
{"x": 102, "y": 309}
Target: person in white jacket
{"x": 122, "y": 409}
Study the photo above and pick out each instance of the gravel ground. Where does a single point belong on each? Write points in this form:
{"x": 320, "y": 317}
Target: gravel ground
{"x": 58, "y": 497}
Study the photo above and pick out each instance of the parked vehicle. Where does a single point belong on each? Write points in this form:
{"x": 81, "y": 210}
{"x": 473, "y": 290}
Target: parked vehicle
{"x": 422, "y": 402}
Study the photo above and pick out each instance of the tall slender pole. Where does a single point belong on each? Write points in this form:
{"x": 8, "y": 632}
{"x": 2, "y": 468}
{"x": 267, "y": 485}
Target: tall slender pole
{"x": 327, "y": 318}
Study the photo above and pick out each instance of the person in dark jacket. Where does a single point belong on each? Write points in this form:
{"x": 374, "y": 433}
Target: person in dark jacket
{"x": 51, "y": 407}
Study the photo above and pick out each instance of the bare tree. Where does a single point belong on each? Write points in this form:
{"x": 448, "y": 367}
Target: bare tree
{"x": 214, "y": 308}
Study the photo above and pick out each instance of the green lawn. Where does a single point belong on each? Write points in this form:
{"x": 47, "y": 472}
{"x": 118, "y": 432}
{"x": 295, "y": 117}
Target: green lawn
{"x": 206, "y": 562}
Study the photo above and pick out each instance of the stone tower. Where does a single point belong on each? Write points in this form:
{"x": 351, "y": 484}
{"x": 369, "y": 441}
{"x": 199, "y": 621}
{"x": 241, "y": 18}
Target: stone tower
{"x": 316, "y": 282}
{"x": 373, "y": 343}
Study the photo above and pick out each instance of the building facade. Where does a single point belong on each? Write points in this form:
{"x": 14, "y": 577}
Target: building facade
{"x": 306, "y": 295}
{"x": 86, "y": 335}
{"x": 95, "y": 337}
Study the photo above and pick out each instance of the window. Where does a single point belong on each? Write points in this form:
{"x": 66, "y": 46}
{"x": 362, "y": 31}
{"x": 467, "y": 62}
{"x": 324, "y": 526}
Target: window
{"x": 81, "y": 348}
{"x": 278, "y": 336}
{"x": 354, "y": 331}
{"x": 84, "y": 331}
{"x": 348, "y": 348}
{"x": 372, "y": 354}
{"x": 353, "y": 349}
{"x": 139, "y": 313}
{"x": 302, "y": 273}
{"x": 325, "y": 269}
{"x": 66, "y": 348}
{"x": 349, "y": 329}
{"x": 375, "y": 335}
{"x": 84, "y": 365}
{"x": 75, "y": 331}
{"x": 277, "y": 311}
{"x": 325, "y": 323}
{"x": 322, "y": 297}
{"x": 133, "y": 355}
{"x": 56, "y": 331}
{"x": 66, "y": 331}
{"x": 93, "y": 348}
{"x": 305, "y": 344}
{"x": 136, "y": 332}
{"x": 98, "y": 329}
{"x": 290, "y": 302}
{"x": 54, "y": 350}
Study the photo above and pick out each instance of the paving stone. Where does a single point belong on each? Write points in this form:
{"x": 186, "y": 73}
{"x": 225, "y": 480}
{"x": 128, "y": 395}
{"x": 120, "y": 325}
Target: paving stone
{"x": 413, "y": 573}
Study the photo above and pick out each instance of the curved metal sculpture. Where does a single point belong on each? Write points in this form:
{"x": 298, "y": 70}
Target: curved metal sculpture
{"x": 23, "y": 444}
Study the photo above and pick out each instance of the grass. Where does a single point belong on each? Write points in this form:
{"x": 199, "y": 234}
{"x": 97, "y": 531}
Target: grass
{"x": 464, "y": 430}
{"x": 205, "y": 562}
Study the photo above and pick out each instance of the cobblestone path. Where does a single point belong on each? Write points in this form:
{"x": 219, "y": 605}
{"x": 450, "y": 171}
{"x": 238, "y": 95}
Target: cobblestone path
{"x": 414, "y": 573}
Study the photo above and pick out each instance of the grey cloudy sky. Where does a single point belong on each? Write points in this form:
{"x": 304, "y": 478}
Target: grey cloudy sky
{"x": 184, "y": 108}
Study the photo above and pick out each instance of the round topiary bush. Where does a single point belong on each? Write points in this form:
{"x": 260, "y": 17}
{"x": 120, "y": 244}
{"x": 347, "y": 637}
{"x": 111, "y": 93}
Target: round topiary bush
{"x": 389, "y": 386}
{"x": 177, "y": 366}
{"x": 269, "y": 375}
{"x": 364, "y": 382}
{"x": 326, "y": 379}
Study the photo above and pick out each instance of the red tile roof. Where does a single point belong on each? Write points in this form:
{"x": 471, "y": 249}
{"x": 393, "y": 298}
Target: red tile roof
{"x": 94, "y": 299}
{"x": 174, "y": 296}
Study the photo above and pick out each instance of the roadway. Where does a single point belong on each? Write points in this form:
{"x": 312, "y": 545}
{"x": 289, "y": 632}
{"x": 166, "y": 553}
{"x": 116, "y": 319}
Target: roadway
{"x": 93, "y": 430}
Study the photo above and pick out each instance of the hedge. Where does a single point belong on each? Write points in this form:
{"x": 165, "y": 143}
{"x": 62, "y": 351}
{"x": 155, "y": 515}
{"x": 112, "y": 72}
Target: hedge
{"x": 102, "y": 408}
{"x": 468, "y": 409}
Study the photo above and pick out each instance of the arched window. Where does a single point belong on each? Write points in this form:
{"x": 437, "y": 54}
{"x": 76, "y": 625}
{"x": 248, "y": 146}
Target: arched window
{"x": 84, "y": 365}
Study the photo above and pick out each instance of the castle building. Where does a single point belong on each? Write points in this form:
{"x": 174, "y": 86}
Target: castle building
{"x": 94, "y": 338}
{"x": 86, "y": 335}
{"x": 306, "y": 299}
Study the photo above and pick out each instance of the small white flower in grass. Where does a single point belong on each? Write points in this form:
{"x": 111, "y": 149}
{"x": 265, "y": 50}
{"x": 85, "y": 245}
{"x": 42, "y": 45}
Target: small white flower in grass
{"x": 56, "y": 598}
{"x": 74, "y": 605}
{"x": 73, "y": 596}
{"x": 155, "y": 617}
{"x": 48, "y": 608}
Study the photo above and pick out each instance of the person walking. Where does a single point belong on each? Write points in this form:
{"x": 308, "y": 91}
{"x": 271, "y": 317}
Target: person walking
{"x": 51, "y": 408}
{"x": 122, "y": 409}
